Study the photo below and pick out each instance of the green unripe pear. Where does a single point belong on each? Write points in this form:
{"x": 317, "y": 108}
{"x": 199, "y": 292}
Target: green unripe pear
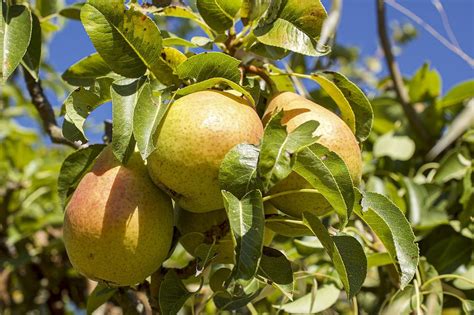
{"x": 118, "y": 226}
{"x": 198, "y": 131}
{"x": 195, "y": 227}
{"x": 333, "y": 133}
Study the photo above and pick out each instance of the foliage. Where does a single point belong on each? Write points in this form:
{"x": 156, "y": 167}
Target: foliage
{"x": 401, "y": 242}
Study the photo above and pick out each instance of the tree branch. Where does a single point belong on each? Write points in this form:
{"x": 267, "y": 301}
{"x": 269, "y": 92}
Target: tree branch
{"x": 45, "y": 110}
{"x": 396, "y": 76}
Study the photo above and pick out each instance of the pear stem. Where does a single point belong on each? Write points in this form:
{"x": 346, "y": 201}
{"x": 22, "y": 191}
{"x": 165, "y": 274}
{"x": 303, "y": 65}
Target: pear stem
{"x": 262, "y": 74}
{"x": 288, "y": 192}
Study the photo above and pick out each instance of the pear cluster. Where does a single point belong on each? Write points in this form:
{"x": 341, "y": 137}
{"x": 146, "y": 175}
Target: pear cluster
{"x": 118, "y": 224}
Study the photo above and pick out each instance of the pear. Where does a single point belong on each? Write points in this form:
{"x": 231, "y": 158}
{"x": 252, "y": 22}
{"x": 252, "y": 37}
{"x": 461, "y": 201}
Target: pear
{"x": 333, "y": 133}
{"x": 195, "y": 227}
{"x": 118, "y": 226}
{"x": 197, "y": 132}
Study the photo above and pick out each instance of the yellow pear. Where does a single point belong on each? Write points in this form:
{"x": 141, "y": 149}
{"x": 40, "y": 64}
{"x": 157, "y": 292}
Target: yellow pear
{"x": 333, "y": 133}
{"x": 198, "y": 131}
{"x": 118, "y": 226}
{"x": 195, "y": 227}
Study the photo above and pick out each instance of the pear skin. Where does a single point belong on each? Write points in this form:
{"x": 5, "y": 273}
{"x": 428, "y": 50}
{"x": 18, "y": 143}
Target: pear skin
{"x": 333, "y": 133}
{"x": 198, "y": 131}
{"x": 118, "y": 226}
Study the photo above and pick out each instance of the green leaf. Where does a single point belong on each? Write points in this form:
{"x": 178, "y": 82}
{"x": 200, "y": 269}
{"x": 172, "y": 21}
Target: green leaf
{"x": 468, "y": 306}
{"x": 276, "y": 269}
{"x": 307, "y": 15}
{"x": 124, "y": 100}
{"x": 295, "y": 26}
{"x": 359, "y": 103}
{"x": 74, "y": 167}
{"x": 218, "y": 279}
{"x": 167, "y": 64}
{"x": 238, "y": 170}
{"x": 149, "y": 111}
{"x": 425, "y": 85}
{"x": 378, "y": 259}
{"x": 32, "y": 58}
{"x": 399, "y": 148}
{"x": 345, "y": 251}
{"x": 284, "y": 34}
{"x": 278, "y": 147}
{"x": 252, "y": 10}
{"x": 86, "y": 71}
{"x": 390, "y": 225}
{"x": 434, "y": 300}
{"x": 184, "y": 13}
{"x": 453, "y": 165}
{"x": 128, "y": 40}
{"x": 286, "y": 226}
{"x": 401, "y": 303}
{"x": 219, "y": 14}
{"x": 310, "y": 245}
{"x": 102, "y": 86}
{"x": 173, "y": 294}
{"x": 78, "y": 105}
{"x": 312, "y": 303}
{"x": 247, "y": 219}
{"x": 461, "y": 92}
{"x": 15, "y": 35}
{"x": 333, "y": 90}
{"x": 100, "y": 295}
{"x": 282, "y": 83}
{"x": 224, "y": 301}
{"x": 327, "y": 173}
{"x": 47, "y": 7}
{"x": 210, "y": 65}
{"x": 73, "y": 11}
{"x": 210, "y": 83}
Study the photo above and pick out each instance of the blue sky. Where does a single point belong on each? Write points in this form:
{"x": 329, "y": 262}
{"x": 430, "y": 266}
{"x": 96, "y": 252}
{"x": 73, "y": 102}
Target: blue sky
{"x": 357, "y": 28}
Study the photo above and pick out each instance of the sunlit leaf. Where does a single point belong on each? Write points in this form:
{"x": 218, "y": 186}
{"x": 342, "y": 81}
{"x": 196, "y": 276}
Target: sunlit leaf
{"x": 127, "y": 40}
{"x": 210, "y": 65}
{"x": 278, "y": 147}
{"x": 326, "y": 171}
{"x": 390, "y": 225}
{"x": 345, "y": 251}
{"x": 74, "y": 167}
{"x": 395, "y": 147}
{"x": 149, "y": 111}
{"x": 125, "y": 94}
{"x": 324, "y": 297}
{"x": 32, "y": 58}
{"x": 100, "y": 295}
{"x": 86, "y": 71}
{"x": 219, "y": 14}
{"x": 462, "y": 91}
{"x": 246, "y": 218}
{"x": 15, "y": 35}
{"x": 79, "y": 104}
{"x": 238, "y": 170}
{"x": 213, "y": 82}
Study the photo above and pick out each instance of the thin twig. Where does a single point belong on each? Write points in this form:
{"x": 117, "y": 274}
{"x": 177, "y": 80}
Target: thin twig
{"x": 447, "y": 26}
{"x": 46, "y": 112}
{"x": 443, "y": 40}
{"x": 396, "y": 76}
